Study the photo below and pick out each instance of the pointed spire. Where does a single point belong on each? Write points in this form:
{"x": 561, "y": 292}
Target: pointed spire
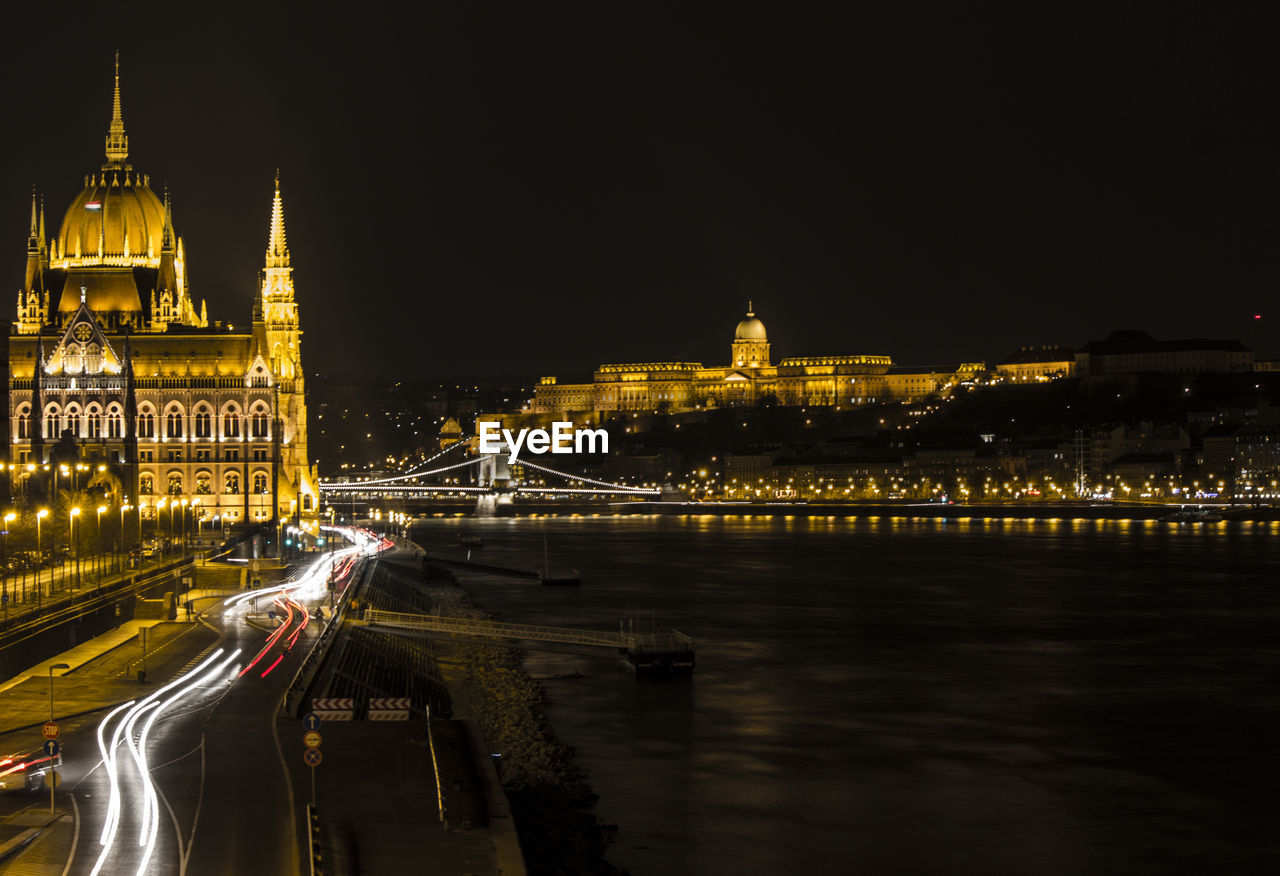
{"x": 277, "y": 250}
{"x": 750, "y": 308}
{"x": 40, "y": 227}
{"x": 166, "y": 238}
{"x": 35, "y": 229}
{"x": 117, "y": 142}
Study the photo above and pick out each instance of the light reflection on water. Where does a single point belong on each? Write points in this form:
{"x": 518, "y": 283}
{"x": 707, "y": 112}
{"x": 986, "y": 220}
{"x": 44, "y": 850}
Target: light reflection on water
{"x": 916, "y": 695}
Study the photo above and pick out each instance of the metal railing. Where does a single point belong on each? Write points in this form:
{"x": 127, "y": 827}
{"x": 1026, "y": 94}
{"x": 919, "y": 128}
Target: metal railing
{"x": 468, "y": 627}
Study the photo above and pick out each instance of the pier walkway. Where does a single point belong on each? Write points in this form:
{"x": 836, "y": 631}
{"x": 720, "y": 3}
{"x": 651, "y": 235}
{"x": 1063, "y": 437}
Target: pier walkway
{"x": 669, "y": 649}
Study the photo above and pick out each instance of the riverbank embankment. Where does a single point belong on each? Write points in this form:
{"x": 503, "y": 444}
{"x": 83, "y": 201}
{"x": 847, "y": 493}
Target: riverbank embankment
{"x": 551, "y": 799}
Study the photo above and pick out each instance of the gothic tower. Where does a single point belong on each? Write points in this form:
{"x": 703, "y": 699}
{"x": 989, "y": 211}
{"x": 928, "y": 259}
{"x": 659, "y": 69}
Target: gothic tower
{"x": 280, "y": 343}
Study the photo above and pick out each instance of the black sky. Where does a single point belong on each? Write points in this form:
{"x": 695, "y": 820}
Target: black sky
{"x": 534, "y": 190}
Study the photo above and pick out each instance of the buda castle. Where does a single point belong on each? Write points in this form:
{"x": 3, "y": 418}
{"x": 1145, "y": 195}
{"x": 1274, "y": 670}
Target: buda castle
{"x": 111, "y": 355}
{"x": 750, "y": 378}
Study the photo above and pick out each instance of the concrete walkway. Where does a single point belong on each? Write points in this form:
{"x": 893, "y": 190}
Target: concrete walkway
{"x": 83, "y": 653}
{"x": 35, "y": 842}
{"x": 106, "y": 677}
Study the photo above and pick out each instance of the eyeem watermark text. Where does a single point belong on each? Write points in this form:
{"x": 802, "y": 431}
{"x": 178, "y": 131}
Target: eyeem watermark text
{"x": 562, "y": 438}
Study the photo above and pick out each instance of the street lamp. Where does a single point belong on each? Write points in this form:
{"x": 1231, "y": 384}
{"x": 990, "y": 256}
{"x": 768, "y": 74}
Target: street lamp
{"x": 8, "y": 518}
{"x": 101, "y": 508}
{"x": 40, "y": 515}
{"x": 124, "y": 506}
{"x": 71, "y": 538}
{"x": 50, "y": 776}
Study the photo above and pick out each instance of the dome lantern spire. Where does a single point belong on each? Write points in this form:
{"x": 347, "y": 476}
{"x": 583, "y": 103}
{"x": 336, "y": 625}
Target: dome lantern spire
{"x": 117, "y": 141}
{"x": 277, "y": 250}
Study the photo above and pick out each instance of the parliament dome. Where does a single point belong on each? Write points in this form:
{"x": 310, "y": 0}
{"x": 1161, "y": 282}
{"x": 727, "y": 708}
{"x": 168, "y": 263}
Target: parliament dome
{"x": 750, "y": 329}
{"x": 116, "y": 216}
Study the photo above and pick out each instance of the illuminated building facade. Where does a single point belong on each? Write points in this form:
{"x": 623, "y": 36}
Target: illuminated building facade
{"x": 749, "y": 378}
{"x": 111, "y": 354}
{"x": 1037, "y": 364}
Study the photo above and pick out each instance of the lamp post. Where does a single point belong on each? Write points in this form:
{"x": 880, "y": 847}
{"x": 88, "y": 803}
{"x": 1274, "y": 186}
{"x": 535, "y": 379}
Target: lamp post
{"x": 71, "y": 539}
{"x": 159, "y": 508}
{"x": 8, "y": 518}
{"x": 49, "y": 776}
{"x": 101, "y": 508}
{"x": 40, "y": 515}
{"x": 183, "y": 530}
{"x": 124, "y": 506}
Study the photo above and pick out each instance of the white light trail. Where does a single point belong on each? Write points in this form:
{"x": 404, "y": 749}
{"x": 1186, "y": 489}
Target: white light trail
{"x": 113, "y": 807}
{"x": 151, "y": 818}
{"x": 109, "y": 761}
{"x": 125, "y": 731}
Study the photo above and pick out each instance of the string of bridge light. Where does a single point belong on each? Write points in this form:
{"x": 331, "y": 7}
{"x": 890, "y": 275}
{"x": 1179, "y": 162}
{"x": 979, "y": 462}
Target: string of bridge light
{"x": 411, "y": 473}
{"x": 361, "y": 485}
{"x": 648, "y": 491}
{"x": 585, "y": 480}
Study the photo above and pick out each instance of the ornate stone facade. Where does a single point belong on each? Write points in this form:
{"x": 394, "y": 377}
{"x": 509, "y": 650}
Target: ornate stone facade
{"x": 173, "y": 406}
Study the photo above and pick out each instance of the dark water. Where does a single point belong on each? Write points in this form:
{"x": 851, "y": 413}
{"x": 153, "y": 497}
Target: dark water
{"x": 898, "y": 696}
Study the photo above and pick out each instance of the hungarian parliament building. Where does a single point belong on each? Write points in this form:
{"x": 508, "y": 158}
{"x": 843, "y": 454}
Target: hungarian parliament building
{"x": 113, "y": 362}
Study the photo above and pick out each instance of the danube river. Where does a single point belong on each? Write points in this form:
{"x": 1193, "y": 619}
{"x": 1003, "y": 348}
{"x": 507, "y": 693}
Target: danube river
{"x": 916, "y": 696}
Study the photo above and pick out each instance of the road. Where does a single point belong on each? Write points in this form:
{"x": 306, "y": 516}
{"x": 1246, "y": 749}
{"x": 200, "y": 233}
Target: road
{"x": 194, "y": 779}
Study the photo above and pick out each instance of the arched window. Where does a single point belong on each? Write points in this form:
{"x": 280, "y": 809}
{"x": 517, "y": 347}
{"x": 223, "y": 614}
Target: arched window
{"x": 93, "y": 423}
{"x": 173, "y": 424}
{"x": 306, "y": 501}
{"x": 92, "y": 359}
{"x": 115, "y": 422}
{"x": 232, "y": 483}
{"x": 260, "y": 482}
{"x": 146, "y": 425}
{"x": 202, "y": 483}
{"x": 260, "y": 428}
{"x": 71, "y": 359}
{"x": 231, "y": 423}
{"x": 146, "y": 484}
{"x": 204, "y": 424}
{"x": 175, "y": 483}
{"x": 73, "y": 420}
{"x": 24, "y": 422}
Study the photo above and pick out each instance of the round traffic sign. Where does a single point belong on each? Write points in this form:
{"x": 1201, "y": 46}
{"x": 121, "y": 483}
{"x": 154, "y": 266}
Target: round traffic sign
{"x": 311, "y": 739}
{"x": 311, "y": 721}
{"x": 311, "y": 757}
{"x": 52, "y": 747}
{"x": 50, "y": 730}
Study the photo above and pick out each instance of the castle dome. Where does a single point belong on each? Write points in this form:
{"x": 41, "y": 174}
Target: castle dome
{"x": 750, "y": 329}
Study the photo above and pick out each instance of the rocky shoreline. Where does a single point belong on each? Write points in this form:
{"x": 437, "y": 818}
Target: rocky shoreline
{"x": 550, "y": 797}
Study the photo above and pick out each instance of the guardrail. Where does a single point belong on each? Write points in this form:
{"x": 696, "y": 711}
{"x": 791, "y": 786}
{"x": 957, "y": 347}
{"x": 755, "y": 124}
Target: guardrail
{"x": 314, "y": 853}
{"x": 528, "y": 632}
{"x": 306, "y": 673}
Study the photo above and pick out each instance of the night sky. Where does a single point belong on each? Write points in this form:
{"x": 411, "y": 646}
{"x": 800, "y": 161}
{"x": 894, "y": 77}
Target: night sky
{"x": 539, "y": 190}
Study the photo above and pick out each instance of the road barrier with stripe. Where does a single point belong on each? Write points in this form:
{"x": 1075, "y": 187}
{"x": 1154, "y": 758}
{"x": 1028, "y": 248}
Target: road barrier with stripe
{"x": 388, "y": 708}
{"x": 333, "y": 708}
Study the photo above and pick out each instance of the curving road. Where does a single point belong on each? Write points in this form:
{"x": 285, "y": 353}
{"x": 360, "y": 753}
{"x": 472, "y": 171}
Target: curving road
{"x": 191, "y": 778}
